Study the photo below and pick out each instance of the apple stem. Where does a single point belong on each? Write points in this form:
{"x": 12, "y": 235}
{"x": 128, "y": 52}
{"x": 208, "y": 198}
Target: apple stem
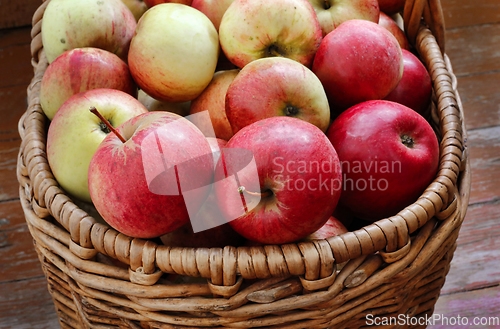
{"x": 106, "y": 122}
{"x": 242, "y": 190}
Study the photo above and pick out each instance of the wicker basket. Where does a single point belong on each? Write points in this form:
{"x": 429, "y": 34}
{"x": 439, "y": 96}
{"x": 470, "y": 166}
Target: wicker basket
{"x": 394, "y": 266}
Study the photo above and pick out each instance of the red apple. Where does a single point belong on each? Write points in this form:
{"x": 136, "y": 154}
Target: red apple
{"x": 358, "y": 61}
{"x": 80, "y": 70}
{"x": 149, "y": 185}
{"x": 276, "y": 86}
{"x": 391, "y": 7}
{"x": 151, "y": 3}
{"x": 213, "y": 100}
{"x": 395, "y": 30}
{"x": 214, "y": 9}
{"x": 415, "y": 88}
{"x": 332, "y": 227}
{"x": 389, "y": 155}
{"x": 278, "y": 180}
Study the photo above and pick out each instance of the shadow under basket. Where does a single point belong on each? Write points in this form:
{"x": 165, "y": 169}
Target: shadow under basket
{"x": 394, "y": 266}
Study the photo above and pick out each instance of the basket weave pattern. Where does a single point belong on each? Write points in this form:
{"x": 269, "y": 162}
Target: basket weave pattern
{"x": 394, "y": 266}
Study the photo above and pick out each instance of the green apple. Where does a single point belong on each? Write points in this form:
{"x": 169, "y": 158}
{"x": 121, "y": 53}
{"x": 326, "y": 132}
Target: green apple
{"x": 250, "y": 30}
{"x": 332, "y": 13}
{"x": 75, "y": 133}
{"x": 174, "y": 52}
{"x": 69, "y": 24}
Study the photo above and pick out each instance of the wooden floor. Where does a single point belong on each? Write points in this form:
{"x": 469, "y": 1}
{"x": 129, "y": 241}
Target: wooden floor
{"x": 472, "y": 288}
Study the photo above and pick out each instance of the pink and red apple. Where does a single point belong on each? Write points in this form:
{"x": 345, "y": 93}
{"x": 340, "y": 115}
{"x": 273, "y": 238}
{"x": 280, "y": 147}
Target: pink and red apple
{"x": 415, "y": 88}
{"x": 278, "y": 180}
{"x": 214, "y": 9}
{"x": 389, "y": 155}
{"x": 391, "y": 7}
{"x": 276, "y": 86}
{"x": 213, "y": 100}
{"x": 80, "y": 70}
{"x": 358, "y": 61}
{"x": 395, "y": 30}
{"x": 149, "y": 185}
{"x": 331, "y": 228}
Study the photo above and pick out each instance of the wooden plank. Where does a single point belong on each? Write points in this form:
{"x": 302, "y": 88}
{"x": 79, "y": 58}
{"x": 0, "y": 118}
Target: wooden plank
{"x": 480, "y": 96}
{"x": 18, "y": 255}
{"x": 484, "y": 153}
{"x": 17, "y": 36}
{"x": 13, "y": 103}
{"x": 9, "y": 187}
{"x": 479, "y": 305}
{"x": 458, "y": 13}
{"x": 15, "y": 65}
{"x": 481, "y": 223}
{"x": 474, "y": 49}
{"x": 27, "y": 304}
{"x": 11, "y": 216}
{"x": 476, "y": 262}
{"x": 17, "y": 13}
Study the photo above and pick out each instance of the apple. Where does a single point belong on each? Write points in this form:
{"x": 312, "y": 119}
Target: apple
{"x": 250, "y": 30}
{"x": 80, "y": 70}
{"x": 151, "y": 3}
{"x": 74, "y": 134}
{"x": 217, "y": 236}
{"x": 149, "y": 185}
{"x": 174, "y": 52}
{"x": 216, "y": 144}
{"x": 389, "y": 155}
{"x": 213, "y": 100}
{"x": 391, "y": 7}
{"x": 276, "y": 86}
{"x": 415, "y": 88}
{"x": 395, "y": 30}
{"x": 213, "y": 9}
{"x": 356, "y": 62}
{"x": 278, "y": 180}
{"x": 181, "y": 108}
{"x": 69, "y": 24}
{"x": 331, "y": 228}
{"x": 332, "y": 13}
{"x": 137, "y": 7}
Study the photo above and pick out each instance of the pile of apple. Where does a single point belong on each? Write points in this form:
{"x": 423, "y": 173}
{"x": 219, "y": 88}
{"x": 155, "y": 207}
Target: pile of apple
{"x": 206, "y": 121}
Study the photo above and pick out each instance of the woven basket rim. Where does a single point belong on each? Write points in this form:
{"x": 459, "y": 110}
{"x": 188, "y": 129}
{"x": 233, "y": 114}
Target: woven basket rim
{"x": 440, "y": 199}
